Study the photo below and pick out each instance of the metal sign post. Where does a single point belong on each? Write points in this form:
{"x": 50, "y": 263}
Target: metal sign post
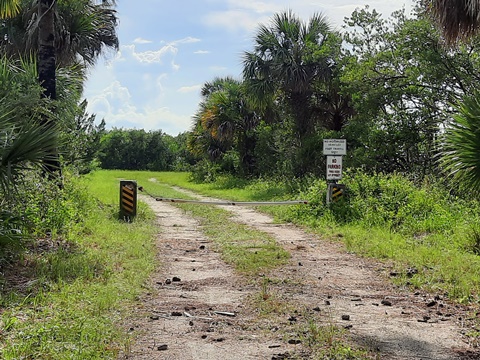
{"x": 335, "y": 192}
{"x": 128, "y": 199}
{"x": 334, "y": 149}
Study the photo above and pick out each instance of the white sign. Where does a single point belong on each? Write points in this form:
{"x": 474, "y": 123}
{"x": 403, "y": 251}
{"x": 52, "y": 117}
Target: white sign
{"x": 334, "y": 147}
{"x": 334, "y": 167}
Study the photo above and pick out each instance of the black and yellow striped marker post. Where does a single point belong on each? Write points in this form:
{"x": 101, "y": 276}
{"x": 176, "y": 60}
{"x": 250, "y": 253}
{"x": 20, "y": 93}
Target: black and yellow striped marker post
{"x": 128, "y": 199}
{"x": 335, "y": 192}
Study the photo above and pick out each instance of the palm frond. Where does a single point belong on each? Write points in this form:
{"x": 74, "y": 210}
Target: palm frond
{"x": 9, "y": 8}
{"x": 460, "y": 152}
{"x": 457, "y": 19}
{"x": 24, "y": 148}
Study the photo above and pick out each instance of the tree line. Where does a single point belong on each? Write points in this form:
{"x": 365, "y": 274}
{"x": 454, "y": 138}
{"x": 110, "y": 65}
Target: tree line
{"x": 393, "y": 87}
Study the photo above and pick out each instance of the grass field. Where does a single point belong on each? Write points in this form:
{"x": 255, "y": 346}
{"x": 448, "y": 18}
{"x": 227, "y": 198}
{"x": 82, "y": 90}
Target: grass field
{"x": 76, "y": 294}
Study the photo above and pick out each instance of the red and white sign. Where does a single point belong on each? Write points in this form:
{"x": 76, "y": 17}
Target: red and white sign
{"x": 334, "y": 167}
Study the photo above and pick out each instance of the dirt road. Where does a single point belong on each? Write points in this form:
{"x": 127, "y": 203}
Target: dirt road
{"x": 201, "y": 309}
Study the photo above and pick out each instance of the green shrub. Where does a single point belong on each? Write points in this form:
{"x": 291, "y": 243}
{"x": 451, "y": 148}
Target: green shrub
{"x": 385, "y": 201}
{"x": 46, "y": 209}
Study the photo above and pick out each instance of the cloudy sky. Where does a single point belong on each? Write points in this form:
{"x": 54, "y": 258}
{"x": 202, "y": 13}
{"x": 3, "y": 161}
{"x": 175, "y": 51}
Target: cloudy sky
{"x": 169, "y": 49}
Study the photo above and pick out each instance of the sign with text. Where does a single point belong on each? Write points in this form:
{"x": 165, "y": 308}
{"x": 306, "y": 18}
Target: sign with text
{"x": 334, "y": 167}
{"x": 334, "y": 147}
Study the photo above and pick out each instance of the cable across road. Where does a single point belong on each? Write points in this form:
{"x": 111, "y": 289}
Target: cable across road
{"x": 230, "y": 203}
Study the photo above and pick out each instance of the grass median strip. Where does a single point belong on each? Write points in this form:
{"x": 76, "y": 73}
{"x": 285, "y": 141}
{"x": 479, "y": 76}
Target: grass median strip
{"x": 249, "y": 251}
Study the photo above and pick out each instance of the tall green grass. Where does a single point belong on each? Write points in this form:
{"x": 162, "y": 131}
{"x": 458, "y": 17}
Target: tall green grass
{"x": 77, "y": 292}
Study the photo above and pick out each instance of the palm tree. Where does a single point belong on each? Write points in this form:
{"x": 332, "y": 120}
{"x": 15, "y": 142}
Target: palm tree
{"x": 61, "y": 34}
{"x": 459, "y": 154}
{"x": 227, "y": 121}
{"x": 457, "y": 19}
{"x": 46, "y": 48}
{"x": 461, "y": 145}
{"x": 83, "y": 30}
{"x": 9, "y": 8}
{"x": 24, "y": 143}
{"x": 283, "y": 60}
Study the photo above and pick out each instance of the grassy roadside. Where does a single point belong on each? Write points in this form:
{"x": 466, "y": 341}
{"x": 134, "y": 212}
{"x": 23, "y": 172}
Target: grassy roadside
{"x": 70, "y": 298}
{"x": 73, "y": 296}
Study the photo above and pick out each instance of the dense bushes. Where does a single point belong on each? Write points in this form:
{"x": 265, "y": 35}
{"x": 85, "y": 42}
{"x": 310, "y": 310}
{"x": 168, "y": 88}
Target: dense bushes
{"x": 390, "y": 202}
{"x": 42, "y": 210}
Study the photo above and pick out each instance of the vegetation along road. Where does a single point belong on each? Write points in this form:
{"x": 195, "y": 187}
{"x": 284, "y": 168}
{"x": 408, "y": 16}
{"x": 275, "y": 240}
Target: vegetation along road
{"x": 195, "y": 281}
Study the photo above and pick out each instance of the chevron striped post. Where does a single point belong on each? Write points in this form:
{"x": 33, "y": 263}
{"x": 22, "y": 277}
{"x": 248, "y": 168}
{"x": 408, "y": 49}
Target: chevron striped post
{"x": 128, "y": 200}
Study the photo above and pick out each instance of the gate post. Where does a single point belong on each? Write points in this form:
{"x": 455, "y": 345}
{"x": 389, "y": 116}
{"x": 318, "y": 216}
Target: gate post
{"x": 128, "y": 199}
{"x": 335, "y": 192}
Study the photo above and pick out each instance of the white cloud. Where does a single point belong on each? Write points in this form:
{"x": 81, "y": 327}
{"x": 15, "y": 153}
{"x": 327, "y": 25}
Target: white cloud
{"x": 187, "y": 40}
{"x": 154, "y": 56}
{"x": 141, "y": 41}
{"x": 150, "y": 57}
{"x": 159, "y": 83}
{"x": 218, "y": 68}
{"x": 201, "y": 52}
{"x": 150, "y": 119}
{"x": 110, "y": 99}
{"x": 259, "y": 7}
{"x": 187, "y": 89}
{"x": 175, "y": 67}
{"x": 114, "y": 104}
{"x": 232, "y": 20}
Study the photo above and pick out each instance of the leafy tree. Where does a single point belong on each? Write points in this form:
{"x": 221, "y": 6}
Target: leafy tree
{"x": 402, "y": 83}
{"x": 135, "y": 150}
{"x": 183, "y": 160}
{"x": 289, "y": 58}
{"x": 80, "y": 138}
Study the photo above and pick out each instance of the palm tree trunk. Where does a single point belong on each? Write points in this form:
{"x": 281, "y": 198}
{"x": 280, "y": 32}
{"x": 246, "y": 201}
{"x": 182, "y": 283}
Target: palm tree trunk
{"x": 302, "y": 114}
{"x": 46, "y": 64}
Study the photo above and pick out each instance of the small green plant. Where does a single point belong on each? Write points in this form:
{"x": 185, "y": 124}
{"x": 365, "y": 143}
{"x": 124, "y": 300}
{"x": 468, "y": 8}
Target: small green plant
{"x": 267, "y": 302}
{"x": 325, "y": 340}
